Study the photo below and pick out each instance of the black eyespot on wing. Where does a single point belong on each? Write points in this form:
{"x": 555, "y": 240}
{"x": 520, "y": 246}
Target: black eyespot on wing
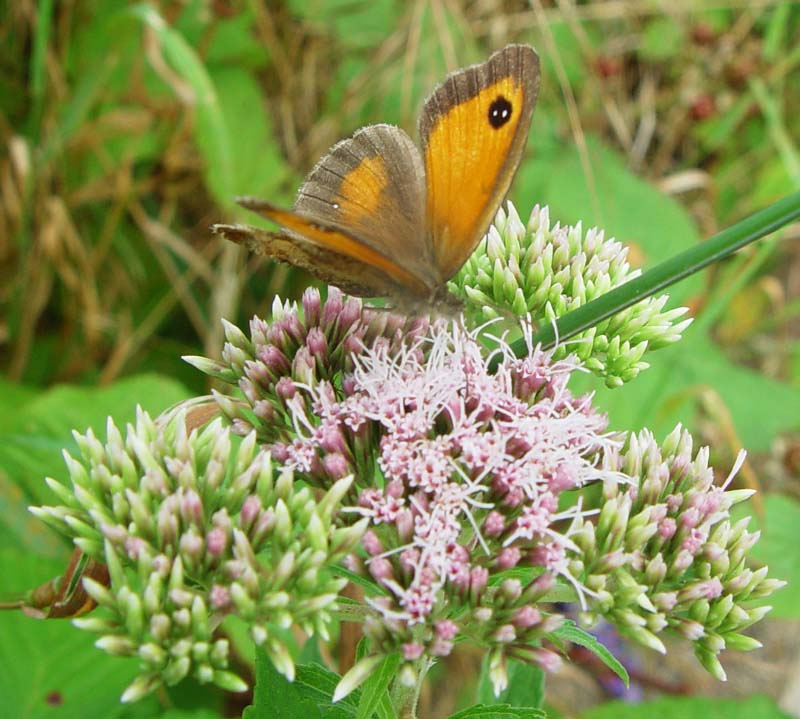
{"x": 499, "y": 112}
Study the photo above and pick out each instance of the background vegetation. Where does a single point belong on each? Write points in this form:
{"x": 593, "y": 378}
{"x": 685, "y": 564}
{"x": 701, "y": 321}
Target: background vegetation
{"x": 126, "y": 130}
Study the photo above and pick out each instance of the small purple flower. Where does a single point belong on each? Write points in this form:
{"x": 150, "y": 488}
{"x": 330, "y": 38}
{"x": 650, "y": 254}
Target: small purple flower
{"x": 446, "y": 629}
{"x": 285, "y": 388}
{"x": 527, "y": 616}
{"x": 412, "y": 651}
{"x": 220, "y": 597}
{"x": 216, "y": 542}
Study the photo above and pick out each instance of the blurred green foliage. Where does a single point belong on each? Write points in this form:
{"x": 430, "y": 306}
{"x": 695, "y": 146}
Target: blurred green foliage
{"x": 126, "y": 130}
{"x": 693, "y": 708}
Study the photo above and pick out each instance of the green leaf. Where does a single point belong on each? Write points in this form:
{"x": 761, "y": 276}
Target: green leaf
{"x": 21, "y": 530}
{"x": 778, "y": 549}
{"x": 31, "y": 447}
{"x": 275, "y": 697}
{"x": 570, "y": 632}
{"x": 570, "y": 56}
{"x": 355, "y": 23}
{"x": 235, "y": 43}
{"x": 662, "y": 38}
{"x": 317, "y": 678}
{"x": 14, "y": 397}
{"x": 368, "y": 585}
{"x": 211, "y": 133}
{"x": 374, "y": 688}
{"x": 362, "y": 648}
{"x": 499, "y": 712}
{"x": 760, "y": 407}
{"x": 255, "y": 156}
{"x": 308, "y": 697}
{"x": 385, "y": 709}
{"x": 50, "y": 668}
{"x": 317, "y": 683}
{"x": 310, "y": 652}
{"x": 690, "y": 708}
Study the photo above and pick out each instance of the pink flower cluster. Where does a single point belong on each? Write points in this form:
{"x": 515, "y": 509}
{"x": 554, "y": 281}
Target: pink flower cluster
{"x": 461, "y": 471}
{"x": 465, "y": 468}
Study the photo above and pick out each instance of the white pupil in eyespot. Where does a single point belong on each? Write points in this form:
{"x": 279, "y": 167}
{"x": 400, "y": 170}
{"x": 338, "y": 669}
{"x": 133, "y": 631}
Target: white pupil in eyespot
{"x": 499, "y": 112}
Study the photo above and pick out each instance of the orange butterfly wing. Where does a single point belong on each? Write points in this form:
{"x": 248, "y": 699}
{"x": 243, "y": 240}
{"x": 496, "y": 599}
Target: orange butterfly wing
{"x": 327, "y": 253}
{"x": 358, "y": 220}
{"x": 376, "y": 218}
{"x": 473, "y": 130}
{"x": 371, "y": 187}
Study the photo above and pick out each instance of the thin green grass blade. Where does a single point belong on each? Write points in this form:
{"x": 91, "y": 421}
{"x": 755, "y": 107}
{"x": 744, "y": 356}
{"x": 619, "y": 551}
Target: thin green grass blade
{"x": 777, "y": 129}
{"x": 693, "y": 260}
{"x": 38, "y": 70}
{"x": 719, "y": 300}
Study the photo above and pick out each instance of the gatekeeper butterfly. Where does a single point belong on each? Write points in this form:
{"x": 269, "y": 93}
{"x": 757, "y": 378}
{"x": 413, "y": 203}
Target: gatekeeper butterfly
{"x": 378, "y": 217}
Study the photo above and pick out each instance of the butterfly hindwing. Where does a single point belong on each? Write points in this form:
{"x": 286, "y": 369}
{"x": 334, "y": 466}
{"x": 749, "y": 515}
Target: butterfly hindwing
{"x": 372, "y": 187}
{"x": 354, "y": 276}
{"x": 473, "y": 130}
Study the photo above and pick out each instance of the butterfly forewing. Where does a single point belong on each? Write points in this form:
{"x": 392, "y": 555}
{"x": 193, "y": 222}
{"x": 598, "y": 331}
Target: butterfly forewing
{"x": 473, "y": 130}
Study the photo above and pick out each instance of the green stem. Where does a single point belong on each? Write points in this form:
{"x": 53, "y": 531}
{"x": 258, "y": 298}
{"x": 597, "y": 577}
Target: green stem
{"x": 669, "y": 272}
{"x": 405, "y": 698}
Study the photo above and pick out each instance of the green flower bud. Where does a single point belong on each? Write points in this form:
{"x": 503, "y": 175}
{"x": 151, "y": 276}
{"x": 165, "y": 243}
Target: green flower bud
{"x": 176, "y": 670}
{"x": 229, "y": 681}
{"x": 140, "y": 687}
{"x": 115, "y": 644}
{"x": 710, "y": 663}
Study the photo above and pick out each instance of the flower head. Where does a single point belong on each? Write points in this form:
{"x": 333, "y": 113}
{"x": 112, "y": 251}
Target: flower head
{"x": 449, "y": 480}
{"x": 460, "y": 473}
{"x": 470, "y": 480}
{"x": 470, "y": 477}
{"x": 548, "y": 270}
{"x": 665, "y": 554}
{"x": 193, "y": 528}
{"x": 317, "y": 341}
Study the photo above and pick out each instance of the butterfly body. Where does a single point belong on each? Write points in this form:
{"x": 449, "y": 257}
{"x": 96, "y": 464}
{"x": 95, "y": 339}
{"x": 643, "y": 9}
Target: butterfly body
{"x": 378, "y": 216}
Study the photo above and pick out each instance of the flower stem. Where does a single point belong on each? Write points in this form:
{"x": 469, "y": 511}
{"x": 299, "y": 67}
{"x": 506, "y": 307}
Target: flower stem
{"x": 404, "y": 697}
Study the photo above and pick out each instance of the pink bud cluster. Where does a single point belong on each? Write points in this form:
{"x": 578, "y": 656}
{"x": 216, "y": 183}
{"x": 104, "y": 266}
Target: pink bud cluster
{"x": 300, "y": 347}
{"x": 664, "y": 552}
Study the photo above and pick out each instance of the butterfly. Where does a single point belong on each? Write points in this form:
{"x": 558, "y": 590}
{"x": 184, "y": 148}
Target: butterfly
{"x": 379, "y": 217}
